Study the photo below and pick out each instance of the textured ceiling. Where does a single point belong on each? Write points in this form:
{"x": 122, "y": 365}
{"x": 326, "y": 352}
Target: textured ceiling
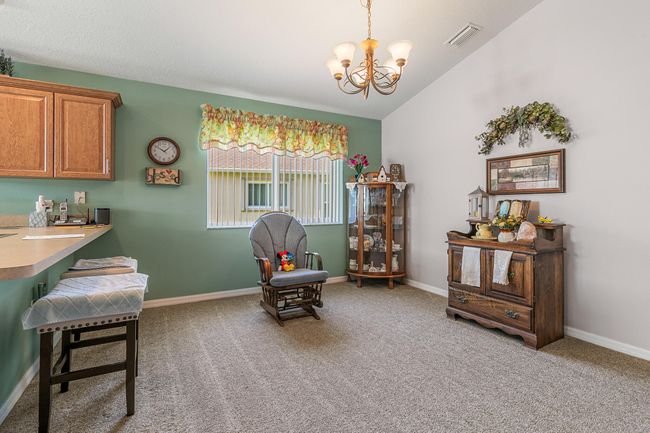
{"x": 267, "y": 50}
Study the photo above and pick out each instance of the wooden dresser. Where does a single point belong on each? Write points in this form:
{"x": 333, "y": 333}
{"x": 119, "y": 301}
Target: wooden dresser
{"x": 532, "y": 304}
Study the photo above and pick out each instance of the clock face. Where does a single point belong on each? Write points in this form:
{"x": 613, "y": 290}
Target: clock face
{"x": 164, "y": 151}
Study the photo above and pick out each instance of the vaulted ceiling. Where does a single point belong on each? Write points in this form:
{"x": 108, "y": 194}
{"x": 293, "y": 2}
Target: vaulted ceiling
{"x": 267, "y": 50}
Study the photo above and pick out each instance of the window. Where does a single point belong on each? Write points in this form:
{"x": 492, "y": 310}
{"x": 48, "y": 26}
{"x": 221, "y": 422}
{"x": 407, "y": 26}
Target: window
{"x": 244, "y": 185}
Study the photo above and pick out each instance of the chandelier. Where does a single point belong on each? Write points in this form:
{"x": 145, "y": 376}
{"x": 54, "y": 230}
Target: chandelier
{"x": 359, "y": 79}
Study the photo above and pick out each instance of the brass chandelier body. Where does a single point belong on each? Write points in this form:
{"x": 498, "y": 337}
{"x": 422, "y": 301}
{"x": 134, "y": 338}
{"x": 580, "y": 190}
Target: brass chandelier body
{"x": 369, "y": 73}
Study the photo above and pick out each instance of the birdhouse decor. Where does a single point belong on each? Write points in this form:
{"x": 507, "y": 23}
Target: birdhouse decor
{"x": 381, "y": 175}
{"x": 478, "y": 204}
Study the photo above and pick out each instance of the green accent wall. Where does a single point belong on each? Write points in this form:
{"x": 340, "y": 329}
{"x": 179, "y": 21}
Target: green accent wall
{"x": 163, "y": 227}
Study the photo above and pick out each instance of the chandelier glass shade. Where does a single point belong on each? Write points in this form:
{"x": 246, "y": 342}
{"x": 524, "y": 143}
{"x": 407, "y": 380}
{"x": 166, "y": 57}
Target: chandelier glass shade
{"x": 383, "y": 77}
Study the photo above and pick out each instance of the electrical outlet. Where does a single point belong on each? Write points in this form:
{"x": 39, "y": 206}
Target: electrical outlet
{"x": 79, "y": 197}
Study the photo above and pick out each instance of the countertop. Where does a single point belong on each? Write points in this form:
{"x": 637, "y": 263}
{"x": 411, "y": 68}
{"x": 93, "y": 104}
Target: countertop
{"x": 25, "y": 258}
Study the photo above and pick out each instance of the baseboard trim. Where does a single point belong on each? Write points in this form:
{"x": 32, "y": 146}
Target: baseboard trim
{"x": 20, "y": 387}
{"x": 164, "y": 302}
{"x": 22, "y": 384}
{"x": 598, "y": 340}
{"x": 608, "y": 343}
{"x": 426, "y": 287}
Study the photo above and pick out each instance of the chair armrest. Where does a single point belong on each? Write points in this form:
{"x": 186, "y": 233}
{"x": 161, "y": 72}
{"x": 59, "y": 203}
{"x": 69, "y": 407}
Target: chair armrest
{"x": 309, "y": 260}
{"x": 266, "y": 272}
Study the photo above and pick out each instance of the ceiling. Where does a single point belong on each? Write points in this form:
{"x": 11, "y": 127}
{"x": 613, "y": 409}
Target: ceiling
{"x": 267, "y": 50}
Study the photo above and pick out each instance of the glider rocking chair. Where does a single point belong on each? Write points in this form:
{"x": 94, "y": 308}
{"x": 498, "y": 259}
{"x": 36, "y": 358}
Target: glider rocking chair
{"x": 286, "y": 295}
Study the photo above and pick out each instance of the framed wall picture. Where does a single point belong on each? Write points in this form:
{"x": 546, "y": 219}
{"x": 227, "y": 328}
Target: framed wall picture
{"x": 530, "y": 173}
{"x": 162, "y": 176}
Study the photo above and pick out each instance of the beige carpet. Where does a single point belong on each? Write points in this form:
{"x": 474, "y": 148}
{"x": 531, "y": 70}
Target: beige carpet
{"x": 379, "y": 361}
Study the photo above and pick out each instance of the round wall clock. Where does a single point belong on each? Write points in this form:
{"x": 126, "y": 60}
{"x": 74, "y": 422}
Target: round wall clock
{"x": 163, "y": 151}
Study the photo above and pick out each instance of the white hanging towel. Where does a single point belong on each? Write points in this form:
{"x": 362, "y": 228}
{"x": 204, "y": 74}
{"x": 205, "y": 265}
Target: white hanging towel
{"x": 471, "y": 267}
{"x": 501, "y": 266}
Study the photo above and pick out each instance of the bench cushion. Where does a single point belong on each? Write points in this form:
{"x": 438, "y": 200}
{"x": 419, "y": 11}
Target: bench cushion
{"x": 87, "y": 298}
{"x": 298, "y": 276}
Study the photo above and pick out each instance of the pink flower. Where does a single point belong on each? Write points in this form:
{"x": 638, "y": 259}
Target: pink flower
{"x": 365, "y": 163}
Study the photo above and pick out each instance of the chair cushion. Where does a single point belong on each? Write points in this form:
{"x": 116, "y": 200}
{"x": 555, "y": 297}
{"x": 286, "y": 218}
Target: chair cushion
{"x": 277, "y": 231}
{"x": 87, "y": 298}
{"x": 298, "y": 276}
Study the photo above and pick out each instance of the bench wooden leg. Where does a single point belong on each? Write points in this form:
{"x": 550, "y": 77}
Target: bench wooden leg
{"x": 65, "y": 351}
{"x": 44, "y": 388}
{"x": 130, "y": 366}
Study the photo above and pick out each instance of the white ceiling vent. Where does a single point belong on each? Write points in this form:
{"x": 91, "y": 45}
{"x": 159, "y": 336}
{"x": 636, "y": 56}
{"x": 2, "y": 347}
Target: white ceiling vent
{"x": 462, "y": 35}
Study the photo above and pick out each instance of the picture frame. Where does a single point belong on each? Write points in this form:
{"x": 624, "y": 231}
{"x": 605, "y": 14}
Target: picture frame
{"x": 162, "y": 176}
{"x": 513, "y": 207}
{"x": 529, "y": 173}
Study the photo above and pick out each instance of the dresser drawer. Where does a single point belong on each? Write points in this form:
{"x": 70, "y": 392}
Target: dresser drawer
{"x": 504, "y": 312}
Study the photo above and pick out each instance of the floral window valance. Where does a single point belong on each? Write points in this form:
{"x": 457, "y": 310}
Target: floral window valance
{"x": 225, "y": 129}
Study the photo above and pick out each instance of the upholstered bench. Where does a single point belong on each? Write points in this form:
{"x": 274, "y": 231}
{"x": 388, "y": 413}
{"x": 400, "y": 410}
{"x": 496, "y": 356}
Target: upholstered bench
{"x": 86, "y": 304}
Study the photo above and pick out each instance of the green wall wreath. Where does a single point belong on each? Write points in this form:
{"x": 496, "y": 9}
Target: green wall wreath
{"x": 542, "y": 116}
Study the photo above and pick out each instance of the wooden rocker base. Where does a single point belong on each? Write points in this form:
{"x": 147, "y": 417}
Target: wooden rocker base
{"x": 292, "y": 302}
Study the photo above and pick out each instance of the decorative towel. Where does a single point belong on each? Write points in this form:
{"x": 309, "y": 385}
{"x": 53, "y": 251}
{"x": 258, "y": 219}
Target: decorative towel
{"x": 471, "y": 267}
{"x": 501, "y": 266}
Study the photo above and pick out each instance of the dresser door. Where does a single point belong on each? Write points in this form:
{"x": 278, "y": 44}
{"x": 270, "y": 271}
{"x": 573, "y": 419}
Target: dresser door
{"x": 25, "y": 132}
{"x": 455, "y": 263}
{"x": 520, "y": 278}
{"x": 83, "y": 140}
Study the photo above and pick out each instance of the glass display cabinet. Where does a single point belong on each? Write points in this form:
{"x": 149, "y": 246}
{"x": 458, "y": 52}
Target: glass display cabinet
{"x": 376, "y": 231}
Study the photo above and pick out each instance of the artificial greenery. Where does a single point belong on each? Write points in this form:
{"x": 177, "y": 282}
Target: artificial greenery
{"x": 542, "y": 116}
{"x": 507, "y": 222}
{"x": 6, "y": 64}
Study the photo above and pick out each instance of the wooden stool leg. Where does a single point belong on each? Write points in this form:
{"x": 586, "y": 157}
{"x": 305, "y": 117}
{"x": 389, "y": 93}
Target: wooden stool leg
{"x": 44, "y": 388}
{"x": 65, "y": 351}
{"x": 137, "y": 346}
{"x": 130, "y": 366}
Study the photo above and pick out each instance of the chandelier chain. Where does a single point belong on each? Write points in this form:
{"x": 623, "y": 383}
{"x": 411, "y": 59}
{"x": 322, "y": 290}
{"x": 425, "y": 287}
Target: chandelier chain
{"x": 368, "y": 5}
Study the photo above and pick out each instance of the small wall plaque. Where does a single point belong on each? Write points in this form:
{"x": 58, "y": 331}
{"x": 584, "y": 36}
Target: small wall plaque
{"x": 162, "y": 176}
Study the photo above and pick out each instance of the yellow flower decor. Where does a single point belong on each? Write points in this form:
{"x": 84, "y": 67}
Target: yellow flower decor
{"x": 226, "y": 128}
{"x": 507, "y": 222}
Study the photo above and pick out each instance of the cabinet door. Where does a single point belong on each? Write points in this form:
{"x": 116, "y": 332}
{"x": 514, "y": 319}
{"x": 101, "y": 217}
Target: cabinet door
{"x": 520, "y": 278}
{"x": 455, "y": 263}
{"x": 83, "y": 144}
{"x": 25, "y": 132}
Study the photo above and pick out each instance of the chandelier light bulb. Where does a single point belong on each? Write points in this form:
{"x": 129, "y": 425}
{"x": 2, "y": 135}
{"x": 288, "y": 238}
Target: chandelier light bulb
{"x": 392, "y": 65}
{"x": 345, "y": 53}
{"x": 400, "y": 51}
{"x": 336, "y": 68}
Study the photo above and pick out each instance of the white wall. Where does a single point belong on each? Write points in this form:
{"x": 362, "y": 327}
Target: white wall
{"x": 591, "y": 59}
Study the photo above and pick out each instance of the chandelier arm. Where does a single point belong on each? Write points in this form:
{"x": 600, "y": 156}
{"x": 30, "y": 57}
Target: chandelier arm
{"x": 348, "y": 77}
{"x": 380, "y": 91}
{"x": 352, "y": 92}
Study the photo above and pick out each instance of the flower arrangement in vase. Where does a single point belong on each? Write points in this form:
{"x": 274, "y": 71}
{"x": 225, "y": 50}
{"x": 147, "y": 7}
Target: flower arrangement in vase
{"x": 507, "y": 225}
{"x": 358, "y": 162}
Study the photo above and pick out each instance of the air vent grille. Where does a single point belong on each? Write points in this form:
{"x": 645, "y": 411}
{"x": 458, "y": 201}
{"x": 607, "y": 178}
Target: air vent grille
{"x": 462, "y": 35}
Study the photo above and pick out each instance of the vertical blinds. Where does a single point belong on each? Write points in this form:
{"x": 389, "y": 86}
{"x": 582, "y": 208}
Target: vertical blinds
{"x": 244, "y": 185}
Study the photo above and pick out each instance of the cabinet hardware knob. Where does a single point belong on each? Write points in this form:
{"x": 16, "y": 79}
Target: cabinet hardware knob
{"x": 511, "y": 275}
{"x": 461, "y": 299}
{"x": 512, "y": 314}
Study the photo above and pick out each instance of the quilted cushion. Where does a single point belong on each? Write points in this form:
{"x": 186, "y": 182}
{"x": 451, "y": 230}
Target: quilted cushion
{"x": 298, "y": 276}
{"x": 87, "y": 298}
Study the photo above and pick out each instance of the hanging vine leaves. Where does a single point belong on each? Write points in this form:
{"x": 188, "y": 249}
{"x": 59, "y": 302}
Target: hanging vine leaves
{"x": 542, "y": 116}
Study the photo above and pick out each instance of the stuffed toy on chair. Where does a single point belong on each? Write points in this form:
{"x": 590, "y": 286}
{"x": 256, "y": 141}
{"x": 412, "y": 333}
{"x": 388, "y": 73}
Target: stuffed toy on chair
{"x": 286, "y": 261}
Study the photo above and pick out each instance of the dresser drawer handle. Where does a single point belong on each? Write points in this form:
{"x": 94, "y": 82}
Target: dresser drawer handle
{"x": 511, "y": 275}
{"x": 512, "y": 314}
{"x": 461, "y": 299}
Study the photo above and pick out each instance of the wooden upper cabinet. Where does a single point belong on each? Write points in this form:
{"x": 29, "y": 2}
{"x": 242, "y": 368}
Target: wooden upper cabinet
{"x": 26, "y": 132}
{"x": 83, "y": 142}
{"x": 55, "y": 130}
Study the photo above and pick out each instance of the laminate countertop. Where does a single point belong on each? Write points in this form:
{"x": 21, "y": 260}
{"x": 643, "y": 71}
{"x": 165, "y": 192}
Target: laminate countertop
{"x": 20, "y": 258}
